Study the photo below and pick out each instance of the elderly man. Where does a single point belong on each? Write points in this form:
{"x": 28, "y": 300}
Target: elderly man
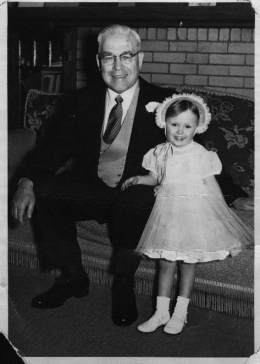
{"x": 108, "y": 134}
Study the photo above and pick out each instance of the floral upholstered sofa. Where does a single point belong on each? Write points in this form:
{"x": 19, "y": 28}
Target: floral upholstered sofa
{"x": 226, "y": 286}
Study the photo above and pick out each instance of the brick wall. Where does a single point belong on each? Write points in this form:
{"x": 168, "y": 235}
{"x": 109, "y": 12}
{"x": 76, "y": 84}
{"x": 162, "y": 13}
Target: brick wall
{"x": 219, "y": 59}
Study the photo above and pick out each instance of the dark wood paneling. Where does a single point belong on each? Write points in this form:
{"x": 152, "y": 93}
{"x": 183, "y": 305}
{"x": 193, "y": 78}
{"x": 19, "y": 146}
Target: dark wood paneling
{"x": 141, "y": 15}
{"x": 69, "y": 63}
{"x": 14, "y": 103}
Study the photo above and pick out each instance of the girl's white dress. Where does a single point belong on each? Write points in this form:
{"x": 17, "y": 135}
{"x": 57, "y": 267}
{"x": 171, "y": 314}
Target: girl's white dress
{"x": 189, "y": 221}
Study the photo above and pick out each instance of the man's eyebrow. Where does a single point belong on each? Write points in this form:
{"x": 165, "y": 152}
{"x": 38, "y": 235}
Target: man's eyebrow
{"x": 111, "y": 54}
{"x": 126, "y": 52}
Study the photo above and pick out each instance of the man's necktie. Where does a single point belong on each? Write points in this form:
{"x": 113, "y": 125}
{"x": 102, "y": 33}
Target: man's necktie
{"x": 114, "y": 121}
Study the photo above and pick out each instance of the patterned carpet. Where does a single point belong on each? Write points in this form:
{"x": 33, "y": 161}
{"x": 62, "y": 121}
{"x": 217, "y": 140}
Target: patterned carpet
{"x": 83, "y": 327}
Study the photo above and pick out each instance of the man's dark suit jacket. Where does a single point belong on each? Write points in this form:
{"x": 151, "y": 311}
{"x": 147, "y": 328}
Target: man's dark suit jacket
{"x": 78, "y": 135}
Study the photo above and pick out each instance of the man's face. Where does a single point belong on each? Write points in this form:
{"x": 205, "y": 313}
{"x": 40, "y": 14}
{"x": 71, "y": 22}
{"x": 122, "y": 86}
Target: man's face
{"x": 120, "y": 77}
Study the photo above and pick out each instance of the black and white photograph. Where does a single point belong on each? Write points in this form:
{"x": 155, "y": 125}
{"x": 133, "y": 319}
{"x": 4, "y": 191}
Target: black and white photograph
{"x": 131, "y": 201}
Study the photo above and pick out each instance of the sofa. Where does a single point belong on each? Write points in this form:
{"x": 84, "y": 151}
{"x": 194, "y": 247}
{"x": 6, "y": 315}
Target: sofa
{"x": 226, "y": 286}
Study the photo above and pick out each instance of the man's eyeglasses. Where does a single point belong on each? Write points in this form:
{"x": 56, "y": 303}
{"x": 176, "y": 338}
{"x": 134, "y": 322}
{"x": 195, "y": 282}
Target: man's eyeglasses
{"x": 125, "y": 58}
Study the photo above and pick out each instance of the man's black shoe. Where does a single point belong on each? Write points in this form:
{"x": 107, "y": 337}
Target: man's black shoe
{"x": 124, "y": 310}
{"x": 63, "y": 288}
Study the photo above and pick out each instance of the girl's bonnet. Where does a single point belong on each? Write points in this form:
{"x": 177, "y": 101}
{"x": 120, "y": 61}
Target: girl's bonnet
{"x": 161, "y": 108}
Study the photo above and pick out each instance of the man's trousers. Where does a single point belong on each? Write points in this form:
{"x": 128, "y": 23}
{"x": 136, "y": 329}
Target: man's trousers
{"x": 61, "y": 201}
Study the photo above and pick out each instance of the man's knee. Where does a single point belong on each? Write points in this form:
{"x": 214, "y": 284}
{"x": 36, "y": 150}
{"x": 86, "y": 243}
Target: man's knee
{"x": 130, "y": 214}
{"x": 137, "y": 197}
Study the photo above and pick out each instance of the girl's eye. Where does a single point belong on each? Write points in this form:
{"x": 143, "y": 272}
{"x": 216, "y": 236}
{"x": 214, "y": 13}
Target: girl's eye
{"x": 188, "y": 126}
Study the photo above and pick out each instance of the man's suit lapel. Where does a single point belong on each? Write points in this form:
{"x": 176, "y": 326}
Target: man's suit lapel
{"x": 92, "y": 105}
{"x": 91, "y": 110}
{"x": 140, "y": 115}
{"x": 145, "y": 133}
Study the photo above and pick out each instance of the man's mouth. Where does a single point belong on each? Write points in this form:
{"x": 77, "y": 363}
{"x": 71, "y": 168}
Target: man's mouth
{"x": 118, "y": 77}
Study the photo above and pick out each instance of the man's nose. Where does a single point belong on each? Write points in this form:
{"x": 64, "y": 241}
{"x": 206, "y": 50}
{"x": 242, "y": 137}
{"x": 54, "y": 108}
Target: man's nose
{"x": 117, "y": 63}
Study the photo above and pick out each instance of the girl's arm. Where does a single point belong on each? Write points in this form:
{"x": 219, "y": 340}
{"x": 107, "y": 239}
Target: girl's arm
{"x": 149, "y": 179}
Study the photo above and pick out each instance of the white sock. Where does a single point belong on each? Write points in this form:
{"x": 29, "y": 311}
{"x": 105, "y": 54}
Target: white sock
{"x": 181, "y": 307}
{"x": 162, "y": 305}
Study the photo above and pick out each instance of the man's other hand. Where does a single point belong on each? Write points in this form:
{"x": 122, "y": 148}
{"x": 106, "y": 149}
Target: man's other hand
{"x": 23, "y": 201}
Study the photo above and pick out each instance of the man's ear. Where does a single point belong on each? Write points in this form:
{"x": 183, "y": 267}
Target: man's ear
{"x": 98, "y": 61}
{"x": 140, "y": 58}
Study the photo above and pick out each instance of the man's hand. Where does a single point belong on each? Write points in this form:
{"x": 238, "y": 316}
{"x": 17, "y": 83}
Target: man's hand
{"x": 244, "y": 203}
{"x": 24, "y": 199}
{"x": 130, "y": 182}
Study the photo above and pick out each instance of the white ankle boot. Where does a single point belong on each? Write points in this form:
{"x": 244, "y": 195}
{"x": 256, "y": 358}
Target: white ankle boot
{"x": 175, "y": 324}
{"x": 154, "y": 322}
{"x": 179, "y": 317}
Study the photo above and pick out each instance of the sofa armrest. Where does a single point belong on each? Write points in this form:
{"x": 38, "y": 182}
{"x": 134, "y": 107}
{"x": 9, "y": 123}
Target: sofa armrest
{"x": 20, "y": 143}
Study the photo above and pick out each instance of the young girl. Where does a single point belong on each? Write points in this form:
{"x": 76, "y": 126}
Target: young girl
{"x": 190, "y": 221}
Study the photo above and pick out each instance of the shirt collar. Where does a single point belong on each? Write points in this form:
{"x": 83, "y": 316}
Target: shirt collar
{"x": 127, "y": 95}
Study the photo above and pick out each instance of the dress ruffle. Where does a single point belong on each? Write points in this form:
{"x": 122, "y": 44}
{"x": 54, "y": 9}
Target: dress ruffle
{"x": 188, "y": 257}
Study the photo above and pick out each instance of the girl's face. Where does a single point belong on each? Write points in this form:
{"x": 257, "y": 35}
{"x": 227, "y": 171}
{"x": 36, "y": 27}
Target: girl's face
{"x": 180, "y": 129}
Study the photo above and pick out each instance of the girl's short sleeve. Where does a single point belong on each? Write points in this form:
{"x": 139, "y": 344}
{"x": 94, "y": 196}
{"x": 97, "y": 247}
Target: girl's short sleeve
{"x": 211, "y": 164}
{"x": 149, "y": 161}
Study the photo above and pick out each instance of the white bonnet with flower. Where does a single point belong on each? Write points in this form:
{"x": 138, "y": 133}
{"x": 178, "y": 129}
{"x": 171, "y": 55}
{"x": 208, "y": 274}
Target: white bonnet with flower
{"x": 161, "y": 108}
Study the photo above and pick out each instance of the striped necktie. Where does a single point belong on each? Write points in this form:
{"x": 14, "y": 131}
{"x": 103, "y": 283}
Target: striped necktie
{"x": 114, "y": 121}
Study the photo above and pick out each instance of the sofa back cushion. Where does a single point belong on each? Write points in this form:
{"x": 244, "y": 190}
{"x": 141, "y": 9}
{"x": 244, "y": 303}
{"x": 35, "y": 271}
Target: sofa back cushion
{"x": 45, "y": 113}
{"x": 230, "y": 134}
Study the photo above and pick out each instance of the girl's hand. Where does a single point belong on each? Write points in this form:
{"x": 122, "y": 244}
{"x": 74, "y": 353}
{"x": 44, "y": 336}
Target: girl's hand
{"x": 130, "y": 182}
